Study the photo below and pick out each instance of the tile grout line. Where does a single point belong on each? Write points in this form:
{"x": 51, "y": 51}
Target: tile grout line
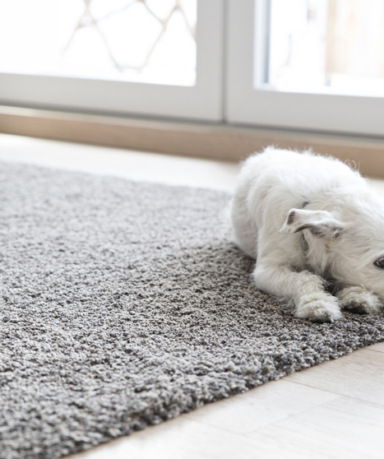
{"x": 381, "y": 405}
{"x": 254, "y": 405}
{"x": 316, "y": 406}
{"x": 337, "y": 396}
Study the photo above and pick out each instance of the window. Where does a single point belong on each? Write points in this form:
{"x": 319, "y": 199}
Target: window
{"x": 307, "y": 64}
{"x": 302, "y": 64}
{"x": 333, "y": 46}
{"x": 129, "y": 56}
{"x": 125, "y": 40}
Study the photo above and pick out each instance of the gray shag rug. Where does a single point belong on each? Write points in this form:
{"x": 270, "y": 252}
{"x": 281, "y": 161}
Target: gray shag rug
{"x": 126, "y": 304}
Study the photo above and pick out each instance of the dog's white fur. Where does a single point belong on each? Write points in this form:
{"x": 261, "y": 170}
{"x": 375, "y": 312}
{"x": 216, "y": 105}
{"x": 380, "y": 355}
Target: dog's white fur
{"x": 310, "y": 220}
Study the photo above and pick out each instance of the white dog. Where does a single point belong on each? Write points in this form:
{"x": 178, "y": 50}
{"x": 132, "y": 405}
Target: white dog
{"x": 311, "y": 221}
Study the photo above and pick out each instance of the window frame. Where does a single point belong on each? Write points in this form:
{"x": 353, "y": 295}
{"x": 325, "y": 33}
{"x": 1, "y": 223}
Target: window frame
{"x": 200, "y": 102}
{"x": 262, "y": 106}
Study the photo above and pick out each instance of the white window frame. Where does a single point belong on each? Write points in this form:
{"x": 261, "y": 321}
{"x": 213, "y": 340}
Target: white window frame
{"x": 202, "y": 101}
{"x": 264, "y": 107}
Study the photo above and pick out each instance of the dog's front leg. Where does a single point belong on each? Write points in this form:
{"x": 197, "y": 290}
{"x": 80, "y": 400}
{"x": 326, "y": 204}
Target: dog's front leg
{"x": 359, "y": 300}
{"x": 304, "y": 288}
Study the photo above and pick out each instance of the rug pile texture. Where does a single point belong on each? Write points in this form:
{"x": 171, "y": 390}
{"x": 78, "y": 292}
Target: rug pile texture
{"x": 126, "y": 304}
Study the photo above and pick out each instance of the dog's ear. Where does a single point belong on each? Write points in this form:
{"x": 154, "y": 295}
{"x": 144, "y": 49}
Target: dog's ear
{"x": 320, "y": 223}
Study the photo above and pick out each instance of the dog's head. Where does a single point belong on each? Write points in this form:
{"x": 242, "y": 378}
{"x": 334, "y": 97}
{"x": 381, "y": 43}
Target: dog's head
{"x": 347, "y": 243}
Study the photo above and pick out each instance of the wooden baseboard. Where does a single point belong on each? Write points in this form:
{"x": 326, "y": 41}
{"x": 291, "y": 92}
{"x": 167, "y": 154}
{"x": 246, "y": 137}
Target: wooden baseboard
{"x": 196, "y": 140}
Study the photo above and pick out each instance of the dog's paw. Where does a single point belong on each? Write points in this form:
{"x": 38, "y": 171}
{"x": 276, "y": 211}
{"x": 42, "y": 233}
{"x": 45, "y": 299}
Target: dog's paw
{"x": 359, "y": 301}
{"x": 319, "y": 308}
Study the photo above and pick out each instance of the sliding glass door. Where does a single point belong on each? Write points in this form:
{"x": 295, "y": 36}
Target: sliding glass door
{"x": 145, "y": 57}
{"x": 307, "y": 64}
{"x": 303, "y": 64}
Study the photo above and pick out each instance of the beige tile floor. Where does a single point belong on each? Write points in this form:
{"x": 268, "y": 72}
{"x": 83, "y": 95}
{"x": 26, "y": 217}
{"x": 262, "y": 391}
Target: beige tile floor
{"x": 334, "y": 410}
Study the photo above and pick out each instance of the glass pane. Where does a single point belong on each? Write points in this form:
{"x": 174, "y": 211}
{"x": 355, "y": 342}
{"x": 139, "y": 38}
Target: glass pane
{"x": 332, "y": 46}
{"x": 150, "y": 41}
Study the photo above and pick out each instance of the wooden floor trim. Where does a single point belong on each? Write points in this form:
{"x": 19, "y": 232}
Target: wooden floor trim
{"x": 195, "y": 140}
